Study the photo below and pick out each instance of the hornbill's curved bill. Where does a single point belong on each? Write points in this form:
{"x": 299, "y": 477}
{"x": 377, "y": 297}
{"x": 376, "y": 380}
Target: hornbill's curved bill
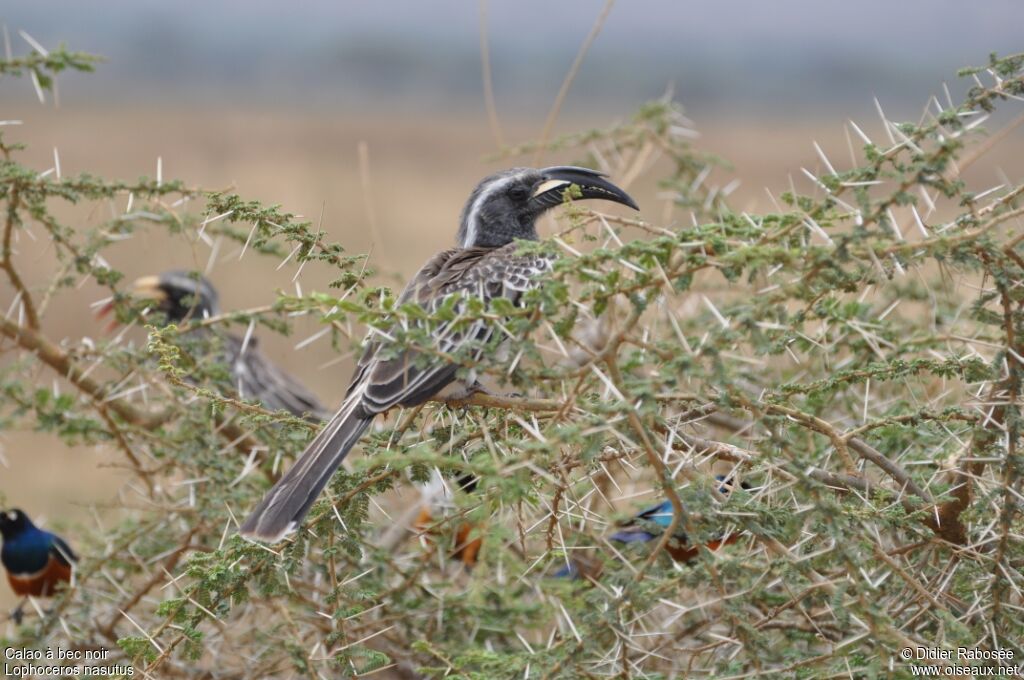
{"x": 503, "y": 208}
{"x": 183, "y": 296}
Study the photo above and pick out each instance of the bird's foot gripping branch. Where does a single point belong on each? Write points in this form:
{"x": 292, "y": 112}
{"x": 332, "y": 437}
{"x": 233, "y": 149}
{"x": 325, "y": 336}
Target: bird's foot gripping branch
{"x": 851, "y": 361}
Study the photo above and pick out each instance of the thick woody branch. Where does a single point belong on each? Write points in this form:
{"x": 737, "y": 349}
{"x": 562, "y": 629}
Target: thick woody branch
{"x": 945, "y": 521}
{"x": 57, "y": 359}
{"x": 7, "y": 262}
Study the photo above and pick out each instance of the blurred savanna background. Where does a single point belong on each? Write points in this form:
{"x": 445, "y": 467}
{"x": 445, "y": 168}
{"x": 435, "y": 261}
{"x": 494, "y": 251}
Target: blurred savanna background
{"x": 371, "y": 119}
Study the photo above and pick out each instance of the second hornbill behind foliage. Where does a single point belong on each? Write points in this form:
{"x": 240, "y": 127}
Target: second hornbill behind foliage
{"x": 183, "y": 296}
{"x": 485, "y": 265}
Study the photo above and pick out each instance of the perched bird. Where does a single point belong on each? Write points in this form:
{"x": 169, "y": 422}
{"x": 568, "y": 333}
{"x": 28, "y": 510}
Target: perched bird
{"x": 645, "y": 526}
{"x": 466, "y": 543}
{"x": 36, "y": 561}
{"x": 182, "y": 296}
{"x": 485, "y": 265}
{"x": 651, "y": 524}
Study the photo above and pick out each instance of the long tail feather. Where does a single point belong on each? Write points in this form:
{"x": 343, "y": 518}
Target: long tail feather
{"x": 287, "y": 503}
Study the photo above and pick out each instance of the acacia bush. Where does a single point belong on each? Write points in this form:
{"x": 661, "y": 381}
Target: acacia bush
{"x": 855, "y": 357}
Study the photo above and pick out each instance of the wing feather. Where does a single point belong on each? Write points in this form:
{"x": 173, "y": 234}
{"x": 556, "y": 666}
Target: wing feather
{"x": 258, "y": 378}
{"x": 62, "y": 551}
{"x": 417, "y": 373}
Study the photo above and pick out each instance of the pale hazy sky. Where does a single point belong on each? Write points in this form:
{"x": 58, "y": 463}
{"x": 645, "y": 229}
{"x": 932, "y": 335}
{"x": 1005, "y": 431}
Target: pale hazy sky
{"x": 718, "y": 54}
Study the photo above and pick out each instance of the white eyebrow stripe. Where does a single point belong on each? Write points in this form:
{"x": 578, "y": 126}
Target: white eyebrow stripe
{"x": 471, "y": 218}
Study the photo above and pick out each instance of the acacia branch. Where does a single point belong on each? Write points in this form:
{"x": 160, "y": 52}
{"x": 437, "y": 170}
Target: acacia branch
{"x": 7, "y": 262}
{"x": 901, "y": 476}
{"x": 159, "y": 575}
{"x": 59, "y": 360}
{"x": 508, "y": 403}
{"x": 947, "y": 522}
{"x": 679, "y": 514}
{"x": 850, "y": 482}
{"x": 944, "y": 522}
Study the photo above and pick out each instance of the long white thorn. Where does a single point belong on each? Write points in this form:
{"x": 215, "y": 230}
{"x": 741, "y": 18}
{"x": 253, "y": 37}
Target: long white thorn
{"x": 33, "y": 42}
{"x": 824, "y": 158}
{"x": 885, "y": 121}
{"x": 860, "y": 133}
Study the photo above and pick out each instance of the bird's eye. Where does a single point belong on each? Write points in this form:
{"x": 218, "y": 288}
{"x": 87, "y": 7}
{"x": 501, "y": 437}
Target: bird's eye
{"x": 518, "y": 192}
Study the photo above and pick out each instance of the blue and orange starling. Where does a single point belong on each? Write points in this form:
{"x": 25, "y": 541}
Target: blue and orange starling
{"x": 651, "y": 524}
{"x": 36, "y": 561}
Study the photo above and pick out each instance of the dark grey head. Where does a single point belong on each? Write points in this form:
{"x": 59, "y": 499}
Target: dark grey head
{"x": 505, "y": 206}
{"x": 179, "y": 294}
{"x": 13, "y": 522}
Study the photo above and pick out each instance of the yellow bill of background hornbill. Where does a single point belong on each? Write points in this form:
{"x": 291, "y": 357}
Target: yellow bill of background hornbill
{"x": 503, "y": 208}
{"x": 183, "y": 296}
{"x": 36, "y": 561}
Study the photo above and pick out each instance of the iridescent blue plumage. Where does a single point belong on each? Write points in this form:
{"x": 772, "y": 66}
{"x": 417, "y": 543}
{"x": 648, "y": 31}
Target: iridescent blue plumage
{"x": 636, "y": 531}
{"x": 568, "y": 571}
{"x": 36, "y": 560}
{"x": 648, "y": 525}
{"x": 28, "y": 552}
{"x": 660, "y": 515}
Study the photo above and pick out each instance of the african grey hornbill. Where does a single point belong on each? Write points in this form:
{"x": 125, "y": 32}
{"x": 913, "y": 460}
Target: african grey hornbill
{"x": 183, "y": 296}
{"x": 503, "y": 208}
